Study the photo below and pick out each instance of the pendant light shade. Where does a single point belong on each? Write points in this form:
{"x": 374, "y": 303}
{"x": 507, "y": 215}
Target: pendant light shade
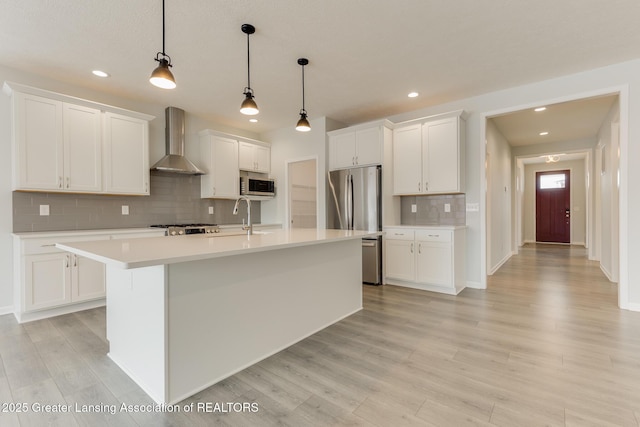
{"x": 303, "y": 124}
{"x": 162, "y": 76}
{"x": 249, "y": 106}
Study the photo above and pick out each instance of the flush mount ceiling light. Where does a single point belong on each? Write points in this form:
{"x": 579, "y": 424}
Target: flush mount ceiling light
{"x": 162, "y": 76}
{"x": 100, "y": 73}
{"x": 552, "y": 158}
{"x": 249, "y": 106}
{"x": 303, "y": 124}
{"x": 537, "y": 110}
{"x": 413, "y": 94}
{"x": 544, "y": 133}
{"x": 253, "y": 120}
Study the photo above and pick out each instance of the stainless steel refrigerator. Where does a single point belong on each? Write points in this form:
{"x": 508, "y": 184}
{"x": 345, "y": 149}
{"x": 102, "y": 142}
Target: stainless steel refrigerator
{"x": 355, "y": 203}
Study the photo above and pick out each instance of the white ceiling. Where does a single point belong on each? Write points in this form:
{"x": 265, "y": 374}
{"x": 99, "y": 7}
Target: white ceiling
{"x": 365, "y": 55}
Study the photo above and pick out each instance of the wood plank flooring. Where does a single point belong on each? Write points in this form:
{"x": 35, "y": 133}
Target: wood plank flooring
{"x": 545, "y": 344}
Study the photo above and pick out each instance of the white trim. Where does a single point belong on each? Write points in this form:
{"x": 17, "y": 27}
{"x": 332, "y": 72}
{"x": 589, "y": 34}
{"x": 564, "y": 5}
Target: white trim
{"x": 475, "y": 285}
{"x": 632, "y": 306}
{"x": 66, "y": 309}
{"x": 6, "y": 310}
{"x": 287, "y": 213}
{"x": 500, "y": 263}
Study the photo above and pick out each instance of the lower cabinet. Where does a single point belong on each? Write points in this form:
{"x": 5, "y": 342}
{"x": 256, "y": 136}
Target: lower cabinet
{"x": 426, "y": 258}
{"x": 49, "y": 281}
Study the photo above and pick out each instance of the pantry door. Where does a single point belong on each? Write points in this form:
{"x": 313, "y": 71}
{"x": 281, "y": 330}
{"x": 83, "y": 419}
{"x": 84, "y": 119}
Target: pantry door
{"x": 553, "y": 203}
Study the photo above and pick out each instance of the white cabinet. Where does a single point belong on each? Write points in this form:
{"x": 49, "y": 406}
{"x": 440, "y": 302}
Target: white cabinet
{"x": 254, "y": 157}
{"x": 361, "y": 145}
{"x": 219, "y": 157}
{"x": 428, "y": 156}
{"x": 126, "y": 152}
{"x": 432, "y": 259}
{"x": 49, "y": 281}
{"x": 57, "y": 145}
{"x": 66, "y": 144}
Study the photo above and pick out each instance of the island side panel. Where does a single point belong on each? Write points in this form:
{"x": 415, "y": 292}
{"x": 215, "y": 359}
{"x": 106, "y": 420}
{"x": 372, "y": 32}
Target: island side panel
{"x": 136, "y": 326}
{"x": 226, "y": 314}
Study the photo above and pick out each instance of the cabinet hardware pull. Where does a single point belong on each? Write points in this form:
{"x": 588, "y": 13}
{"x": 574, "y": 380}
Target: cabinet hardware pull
{"x": 67, "y": 182}
{"x": 434, "y": 235}
{"x": 67, "y": 259}
{"x": 50, "y": 244}
{"x": 412, "y": 248}
{"x": 75, "y": 260}
{"x": 146, "y": 187}
{"x": 214, "y": 190}
{"x": 426, "y": 186}
{"x": 419, "y": 248}
{"x": 59, "y": 182}
{"x": 356, "y": 160}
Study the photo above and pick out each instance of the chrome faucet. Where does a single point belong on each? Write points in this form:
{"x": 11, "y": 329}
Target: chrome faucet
{"x": 249, "y": 227}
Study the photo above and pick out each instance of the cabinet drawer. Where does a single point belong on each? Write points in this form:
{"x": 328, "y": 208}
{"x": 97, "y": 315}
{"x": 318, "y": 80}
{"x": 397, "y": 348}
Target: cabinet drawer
{"x": 47, "y": 244}
{"x": 399, "y": 233}
{"x": 433, "y": 235}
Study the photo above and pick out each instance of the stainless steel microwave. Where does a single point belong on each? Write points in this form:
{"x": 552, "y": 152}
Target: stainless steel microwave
{"x": 252, "y": 186}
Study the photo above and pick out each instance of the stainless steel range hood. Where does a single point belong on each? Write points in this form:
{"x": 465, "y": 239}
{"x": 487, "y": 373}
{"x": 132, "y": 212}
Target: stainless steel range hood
{"x": 175, "y": 161}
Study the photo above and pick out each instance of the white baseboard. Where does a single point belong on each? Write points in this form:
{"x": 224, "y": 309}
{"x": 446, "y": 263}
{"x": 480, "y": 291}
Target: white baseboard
{"x": 632, "y": 306}
{"x": 6, "y": 310}
{"x": 500, "y": 263}
{"x": 606, "y": 272}
{"x": 475, "y": 285}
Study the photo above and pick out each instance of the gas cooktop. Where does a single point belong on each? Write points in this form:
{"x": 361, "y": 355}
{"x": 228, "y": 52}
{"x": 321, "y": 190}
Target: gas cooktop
{"x": 183, "y": 229}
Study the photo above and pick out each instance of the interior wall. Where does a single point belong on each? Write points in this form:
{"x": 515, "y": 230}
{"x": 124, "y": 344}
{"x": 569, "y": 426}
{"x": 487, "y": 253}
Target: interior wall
{"x": 578, "y": 198}
{"x": 608, "y": 197}
{"x": 499, "y": 192}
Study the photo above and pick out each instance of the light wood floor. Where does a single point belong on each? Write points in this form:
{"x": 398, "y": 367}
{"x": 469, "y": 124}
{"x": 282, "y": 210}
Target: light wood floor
{"x": 544, "y": 345}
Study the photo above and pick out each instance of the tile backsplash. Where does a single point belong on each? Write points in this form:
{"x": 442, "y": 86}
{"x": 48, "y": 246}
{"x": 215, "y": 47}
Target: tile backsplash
{"x": 430, "y": 210}
{"x": 174, "y": 199}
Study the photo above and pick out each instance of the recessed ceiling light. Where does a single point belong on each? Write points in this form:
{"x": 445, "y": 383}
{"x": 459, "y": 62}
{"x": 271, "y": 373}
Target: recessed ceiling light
{"x": 253, "y": 120}
{"x": 540, "y": 109}
{"x": 413, "y": 94}
{"x": 100, "y": 73}
{"x": 544, "y": 133}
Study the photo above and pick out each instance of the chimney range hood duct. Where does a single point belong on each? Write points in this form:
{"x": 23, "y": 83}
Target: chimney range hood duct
{"x": 175, "y": 161}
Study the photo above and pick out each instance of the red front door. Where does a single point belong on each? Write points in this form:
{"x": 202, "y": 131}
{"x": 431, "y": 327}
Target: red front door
{"x": 553, "y": 213}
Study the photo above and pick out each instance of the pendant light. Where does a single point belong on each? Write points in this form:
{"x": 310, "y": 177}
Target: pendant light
{"x": 161, "y": 76}
{"x": 303, "y": 124}
{"x": 249, "y": 106}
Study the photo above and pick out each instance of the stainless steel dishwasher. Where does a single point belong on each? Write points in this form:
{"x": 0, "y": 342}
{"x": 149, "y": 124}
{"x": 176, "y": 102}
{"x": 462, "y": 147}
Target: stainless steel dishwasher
{"x": 371, "y": 261}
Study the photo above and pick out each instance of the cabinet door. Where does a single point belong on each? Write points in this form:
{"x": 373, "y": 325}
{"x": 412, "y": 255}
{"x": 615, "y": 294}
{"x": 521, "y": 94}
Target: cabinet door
{"x": 225, "y": 168}
{"x": 82, "y": 148}
{"x": 47, "y": 280}
{"x": 407, "y": 160}
{"x": 263, "y": 159}
{"x": 399, "y": 259}
{"x": 342, "y": 150}
{"x": 441, "y": 156}
{"x": 246, "y": 156}
{"x": 369, "y": 146}
{"x": 434, "y": 263}
{"x": 126, "y": 151}
{"x": 38, "y": 148}
{"x": 88, "y": 279}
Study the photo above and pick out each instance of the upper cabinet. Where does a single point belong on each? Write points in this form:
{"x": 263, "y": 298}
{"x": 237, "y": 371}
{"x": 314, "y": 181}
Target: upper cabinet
{"x": 66, "y": 144}
{"x": 428, "y": 155}
{"x": 126, "y": 152}
{"x": 219, "y": 155}
{"x": 356, "y": 146}
{"x": 254, "y": 157}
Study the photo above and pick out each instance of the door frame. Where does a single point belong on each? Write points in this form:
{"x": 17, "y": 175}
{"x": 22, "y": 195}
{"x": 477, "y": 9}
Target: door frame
{"x": 623, "y": 261}
{"x": 287, "y": 204}
{"x": 535, "y": 207}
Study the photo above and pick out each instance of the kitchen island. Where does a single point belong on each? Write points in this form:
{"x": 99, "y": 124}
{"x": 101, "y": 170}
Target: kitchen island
{"x": 186, "y": 312}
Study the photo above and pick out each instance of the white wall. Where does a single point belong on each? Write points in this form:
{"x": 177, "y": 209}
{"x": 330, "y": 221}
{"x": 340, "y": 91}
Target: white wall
{"x": 608, "y": 197}
{"x": 156, "y": 147}
{"x": 577, "y": 186}
{"x": 499, "y": 220}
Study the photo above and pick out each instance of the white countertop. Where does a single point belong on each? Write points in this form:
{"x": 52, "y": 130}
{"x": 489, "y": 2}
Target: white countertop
{"x": 148, "y": 251}
{"x": 98, "y": 231}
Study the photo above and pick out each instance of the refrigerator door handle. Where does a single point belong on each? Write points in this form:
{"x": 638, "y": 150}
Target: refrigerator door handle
{"x": 349, "y": 193}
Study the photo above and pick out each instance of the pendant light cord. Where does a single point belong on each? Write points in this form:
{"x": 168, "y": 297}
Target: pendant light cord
{"x": 248, "y": 65}
{"x": 303, "y": 109}
{"x": 163, "y": 54}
